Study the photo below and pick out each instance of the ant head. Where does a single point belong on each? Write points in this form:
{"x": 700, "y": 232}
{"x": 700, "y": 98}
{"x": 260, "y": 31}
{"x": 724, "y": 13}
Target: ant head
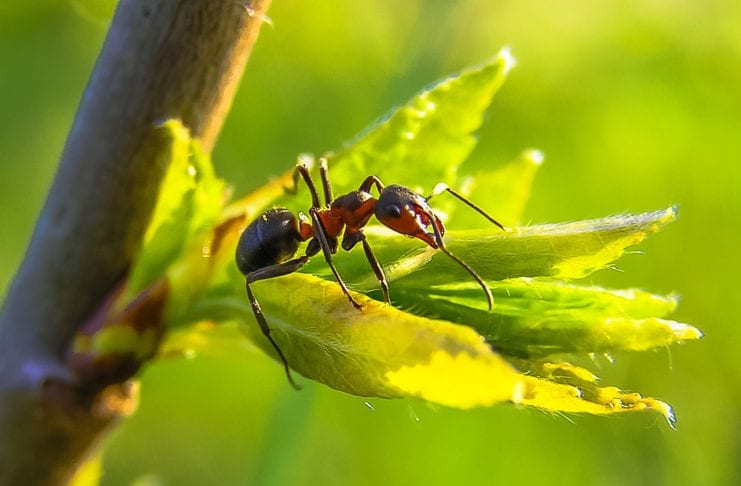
{"x": 408, "y": 213}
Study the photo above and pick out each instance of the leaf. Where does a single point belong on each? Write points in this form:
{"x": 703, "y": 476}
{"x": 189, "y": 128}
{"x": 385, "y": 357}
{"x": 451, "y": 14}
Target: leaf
{"x": 190, "y": 201}
{"x": 330, "y": 341}
{"x": 568, "y": 388}
{"x": 176, "y": 242}
{"x": 425, "y": 141}
{"x": 590, "y": 398}
{"x": 384, "y": 352}
{"x": 566, "y": 250}
{"x": 538, "y": 318}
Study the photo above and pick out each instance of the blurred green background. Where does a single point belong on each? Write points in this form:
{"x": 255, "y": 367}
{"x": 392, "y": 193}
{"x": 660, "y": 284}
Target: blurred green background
{"x": 636, "y": 104}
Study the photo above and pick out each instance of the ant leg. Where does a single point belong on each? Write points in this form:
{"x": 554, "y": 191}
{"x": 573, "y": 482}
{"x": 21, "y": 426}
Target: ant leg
{"x": 277, "y": 270}
{"x": 320, "y": 233}
{"x": 306, "y": 160}
{"x": 302, "y": 171}
{"x": 369, "y": 182}
{"x": 324, "y": 174}
{"x": 262, "y": 274}
{"x": 348, "y": 243}
{"x": 442, "y": 187}
{"x": 377, "y": 269}
{"x": 471, "y": 271}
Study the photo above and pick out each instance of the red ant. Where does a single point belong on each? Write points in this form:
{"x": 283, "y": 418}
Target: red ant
{"x": 267, "y": 246}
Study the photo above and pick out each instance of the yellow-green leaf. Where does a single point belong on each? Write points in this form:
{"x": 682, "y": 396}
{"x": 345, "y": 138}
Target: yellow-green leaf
{"x": 189, "y": 204}
{"x": 424, "y": 141}
{"x": 381, "y": 351}
{"x": 536, "y": 317}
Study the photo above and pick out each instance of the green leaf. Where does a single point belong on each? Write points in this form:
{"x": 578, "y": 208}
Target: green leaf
{"x": 165, "y": 238}
{"x": 566, "y": 250}
{"x": 425, "y": 141}
{"x": 538, "y": 318}
{"x": 189, "y": 204}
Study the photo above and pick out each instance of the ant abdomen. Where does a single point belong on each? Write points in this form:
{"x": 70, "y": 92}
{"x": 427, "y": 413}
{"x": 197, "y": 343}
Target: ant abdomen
{"x": 271, "y": 238}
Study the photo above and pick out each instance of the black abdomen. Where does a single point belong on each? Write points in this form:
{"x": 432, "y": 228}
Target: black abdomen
{"x": 272, "y": 238}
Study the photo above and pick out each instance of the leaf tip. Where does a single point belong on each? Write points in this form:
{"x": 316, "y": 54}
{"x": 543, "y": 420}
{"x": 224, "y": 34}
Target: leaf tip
{"x": 507, "y": 59}
{"x": 664, "y": 409}
{"x": 174, "y": 126}
{"x": 660, "y": 218}
{"x": 685, "y": 332}
{"x": 671, "y": 213}
{"x": 533, "y": 157}
{"x": 671, "y": 418}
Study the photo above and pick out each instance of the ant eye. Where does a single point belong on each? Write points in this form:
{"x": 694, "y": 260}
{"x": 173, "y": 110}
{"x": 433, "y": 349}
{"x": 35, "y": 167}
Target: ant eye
{"x": 394, "y": 211}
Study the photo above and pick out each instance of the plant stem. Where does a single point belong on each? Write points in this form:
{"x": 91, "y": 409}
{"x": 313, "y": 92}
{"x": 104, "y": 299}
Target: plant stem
{"x": 161, "y": 59}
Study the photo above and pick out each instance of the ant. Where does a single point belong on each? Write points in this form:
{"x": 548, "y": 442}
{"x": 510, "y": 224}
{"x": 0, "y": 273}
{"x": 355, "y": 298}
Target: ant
{"x": 267, "y": 247}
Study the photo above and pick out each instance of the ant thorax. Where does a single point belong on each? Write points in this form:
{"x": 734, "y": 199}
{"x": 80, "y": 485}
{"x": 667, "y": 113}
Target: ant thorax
{"x": 354, "y": 209}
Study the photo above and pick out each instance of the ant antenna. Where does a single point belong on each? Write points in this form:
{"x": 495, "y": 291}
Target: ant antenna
{"x": 442, "y": 187}
{"x": 471, "y": 271}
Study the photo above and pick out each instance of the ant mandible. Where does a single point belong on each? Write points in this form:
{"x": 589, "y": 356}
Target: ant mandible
{"x": 267, "y": 247}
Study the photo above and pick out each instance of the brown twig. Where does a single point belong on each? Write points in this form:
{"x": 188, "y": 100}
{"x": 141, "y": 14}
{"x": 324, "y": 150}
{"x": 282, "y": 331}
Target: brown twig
{"x": 161, "y": 59}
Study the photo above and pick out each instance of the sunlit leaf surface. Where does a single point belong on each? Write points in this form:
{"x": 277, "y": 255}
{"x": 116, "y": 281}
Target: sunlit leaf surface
{"x": 384, "y": 352}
